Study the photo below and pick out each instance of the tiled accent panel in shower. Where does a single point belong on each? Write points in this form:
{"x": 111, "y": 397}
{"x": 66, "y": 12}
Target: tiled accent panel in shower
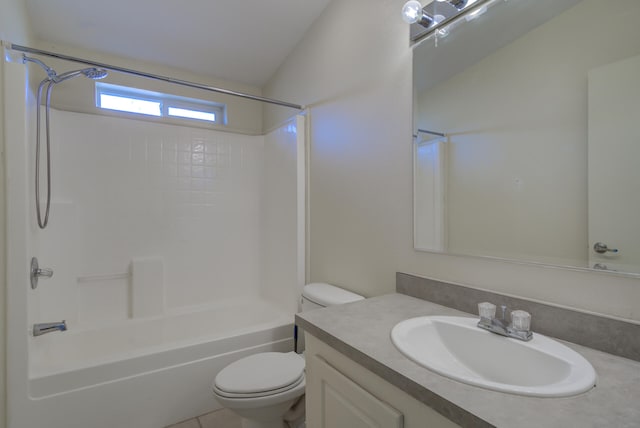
{"x": 186, "y": 201}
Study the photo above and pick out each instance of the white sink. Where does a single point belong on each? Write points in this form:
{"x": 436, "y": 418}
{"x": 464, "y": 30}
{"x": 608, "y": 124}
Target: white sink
{"x": 455, "y": 347}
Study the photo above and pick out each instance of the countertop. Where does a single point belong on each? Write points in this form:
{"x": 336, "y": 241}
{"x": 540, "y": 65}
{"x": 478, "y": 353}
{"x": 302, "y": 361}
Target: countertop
{"x": 362, "y": 331}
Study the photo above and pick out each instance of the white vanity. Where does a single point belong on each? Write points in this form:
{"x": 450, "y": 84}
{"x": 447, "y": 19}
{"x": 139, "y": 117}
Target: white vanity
{"x": 342, "y": 393}
{"x": 356, "y": 377}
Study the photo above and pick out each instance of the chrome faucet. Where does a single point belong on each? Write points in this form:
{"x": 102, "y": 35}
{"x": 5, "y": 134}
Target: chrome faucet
{"x": 505, "y": 328}
{"x": 48, "y": 327}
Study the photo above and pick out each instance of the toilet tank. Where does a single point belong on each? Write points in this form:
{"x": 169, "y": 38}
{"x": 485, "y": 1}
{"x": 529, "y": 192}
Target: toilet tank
{"x": 320, "y": 295}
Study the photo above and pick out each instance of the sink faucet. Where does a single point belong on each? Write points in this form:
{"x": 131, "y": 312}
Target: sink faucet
{"x": 48, "y": 327}
{"x": 500, "y": 325}
{"x": 503, "y": 327}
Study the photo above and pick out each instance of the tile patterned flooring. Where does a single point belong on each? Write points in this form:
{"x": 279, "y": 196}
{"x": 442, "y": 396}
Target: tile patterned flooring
{"x": 223, "y": 418}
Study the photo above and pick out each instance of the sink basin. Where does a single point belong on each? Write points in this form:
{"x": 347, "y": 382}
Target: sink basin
{"x": 456, "y": 348}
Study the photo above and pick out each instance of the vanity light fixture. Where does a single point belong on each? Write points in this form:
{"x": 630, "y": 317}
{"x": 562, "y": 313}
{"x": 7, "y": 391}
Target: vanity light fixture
{"x": 439, "y": 16}
{"x": 458, "y": 4}
{"x": 475, "y": 13}
{"x": 412, "y": 13}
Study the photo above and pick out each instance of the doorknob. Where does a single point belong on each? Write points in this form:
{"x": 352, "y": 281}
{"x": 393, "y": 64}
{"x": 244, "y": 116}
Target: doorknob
{"x": 601, "y": 248}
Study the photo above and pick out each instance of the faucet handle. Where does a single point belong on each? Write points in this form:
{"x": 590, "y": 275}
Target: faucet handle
{"x": 487, "y": 310}
{"x": 521, "y": 320}
{"x": 37, "y": 272}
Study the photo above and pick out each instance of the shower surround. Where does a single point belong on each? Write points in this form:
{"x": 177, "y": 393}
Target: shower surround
{"x": 176, "y": 250}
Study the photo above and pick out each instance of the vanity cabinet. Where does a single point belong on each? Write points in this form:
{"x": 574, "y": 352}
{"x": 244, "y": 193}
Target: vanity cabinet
{"x": 343, "y": 394}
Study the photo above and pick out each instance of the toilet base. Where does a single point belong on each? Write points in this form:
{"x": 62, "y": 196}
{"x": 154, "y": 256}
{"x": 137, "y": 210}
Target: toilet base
{"x": 252, "y": 423}
{"x": 271, "y": 416}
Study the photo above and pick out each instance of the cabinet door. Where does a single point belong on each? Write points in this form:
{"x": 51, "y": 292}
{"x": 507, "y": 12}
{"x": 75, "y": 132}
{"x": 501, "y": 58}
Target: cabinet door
{"x": 341, "y": 403}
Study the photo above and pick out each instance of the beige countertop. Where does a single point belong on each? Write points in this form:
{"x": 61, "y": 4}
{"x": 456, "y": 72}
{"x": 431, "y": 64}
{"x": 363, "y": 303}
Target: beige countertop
{"x": 362, "y": 331}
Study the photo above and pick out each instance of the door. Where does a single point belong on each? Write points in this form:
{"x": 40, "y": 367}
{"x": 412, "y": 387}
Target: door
{"x": 614, "y": 175}
{"x": 341, "y": 403}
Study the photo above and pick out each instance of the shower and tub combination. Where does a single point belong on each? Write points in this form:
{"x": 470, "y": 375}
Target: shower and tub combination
{"x": 174, "y": 250}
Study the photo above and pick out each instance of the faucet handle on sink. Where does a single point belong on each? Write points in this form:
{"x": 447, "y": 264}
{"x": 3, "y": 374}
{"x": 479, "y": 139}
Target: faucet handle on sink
{"x": 521, "y": 320}
{"x": 486, "y": 310}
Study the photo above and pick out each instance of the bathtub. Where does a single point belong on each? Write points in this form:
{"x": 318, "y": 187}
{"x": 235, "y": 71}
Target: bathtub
{"x": 146, "y": 373}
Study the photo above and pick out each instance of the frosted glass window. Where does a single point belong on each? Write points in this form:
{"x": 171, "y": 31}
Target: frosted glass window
{"x": 191, "y": 114}
{"x": 140, "y": 101}
{"x": 130, "y": 105}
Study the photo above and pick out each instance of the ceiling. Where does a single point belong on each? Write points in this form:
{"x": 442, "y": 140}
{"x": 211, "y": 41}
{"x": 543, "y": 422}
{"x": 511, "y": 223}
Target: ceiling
{"x": 241, "y": 41}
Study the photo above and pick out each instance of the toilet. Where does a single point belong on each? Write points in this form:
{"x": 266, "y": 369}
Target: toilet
{"x": 262, "y": 387}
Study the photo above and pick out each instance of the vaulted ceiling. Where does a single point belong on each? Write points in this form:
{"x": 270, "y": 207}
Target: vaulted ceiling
{"x": 243, "y": 41}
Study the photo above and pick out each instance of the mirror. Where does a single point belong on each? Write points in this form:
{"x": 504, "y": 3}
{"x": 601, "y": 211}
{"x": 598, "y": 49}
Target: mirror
{"x": 539, "y": 104}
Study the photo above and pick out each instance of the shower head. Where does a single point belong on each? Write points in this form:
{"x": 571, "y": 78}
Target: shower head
{"x": 91, "y": 73}
{"x": 95, "y": 73}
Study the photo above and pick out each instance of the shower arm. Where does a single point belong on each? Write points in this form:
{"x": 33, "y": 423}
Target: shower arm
{"x": 50, "y": 71}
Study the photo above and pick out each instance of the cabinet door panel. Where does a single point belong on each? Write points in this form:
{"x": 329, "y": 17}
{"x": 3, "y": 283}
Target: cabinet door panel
{"x": 345, "y": 404}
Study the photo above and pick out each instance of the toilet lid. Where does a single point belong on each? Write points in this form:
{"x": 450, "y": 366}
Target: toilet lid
{"x": 262, "y": 372}
{"x": 328, "y": 295}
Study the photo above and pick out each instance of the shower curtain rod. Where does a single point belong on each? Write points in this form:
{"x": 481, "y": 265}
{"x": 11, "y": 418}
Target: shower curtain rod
{"x": 153, "y": 76}
{"x": 426, "y": 131}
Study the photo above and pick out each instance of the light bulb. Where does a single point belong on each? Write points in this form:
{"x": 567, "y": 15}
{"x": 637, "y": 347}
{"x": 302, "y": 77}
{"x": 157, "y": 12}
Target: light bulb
{"x": 412, "y": 11}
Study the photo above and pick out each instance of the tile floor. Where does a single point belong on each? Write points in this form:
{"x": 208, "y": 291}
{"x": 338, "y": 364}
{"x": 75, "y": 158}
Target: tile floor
{"x": 223, "y": 418}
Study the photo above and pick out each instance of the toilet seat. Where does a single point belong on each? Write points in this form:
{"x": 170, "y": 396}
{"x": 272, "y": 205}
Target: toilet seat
{"x": 227, "y": 394}
{"x": 260, "y": 375}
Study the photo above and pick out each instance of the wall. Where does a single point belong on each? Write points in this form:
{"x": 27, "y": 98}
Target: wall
{"x": 282, "y": 220}
{"x": 517, "y": 178}
{"x": 244, "y": 116}
{"x": 356, "y": 76}
{"x": 14, "y": 26}
{"x": 183, "y": 210}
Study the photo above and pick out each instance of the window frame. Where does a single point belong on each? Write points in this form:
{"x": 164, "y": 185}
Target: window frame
{"x": 165, "y": 101}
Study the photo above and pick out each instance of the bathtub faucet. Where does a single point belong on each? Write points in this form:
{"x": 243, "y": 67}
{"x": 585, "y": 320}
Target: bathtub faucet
{"x": 48, "y": 327}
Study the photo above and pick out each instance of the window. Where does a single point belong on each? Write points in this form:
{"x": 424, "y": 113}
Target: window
{"x": 140, "y": 101}
{"x": 130, "y": 105}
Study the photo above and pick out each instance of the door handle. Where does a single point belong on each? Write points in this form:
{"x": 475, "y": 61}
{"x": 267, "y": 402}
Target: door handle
{"x": 601, "y": 248}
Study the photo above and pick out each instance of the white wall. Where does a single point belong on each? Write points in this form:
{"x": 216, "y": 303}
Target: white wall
{"x": 517, "y": 183}
{"x": 126, "y": 190}
{"x": 14, "y": 26}
{"x": 356, "y": 75}
{"x": 244, "y": 116}
{"x": 282, "y": 220}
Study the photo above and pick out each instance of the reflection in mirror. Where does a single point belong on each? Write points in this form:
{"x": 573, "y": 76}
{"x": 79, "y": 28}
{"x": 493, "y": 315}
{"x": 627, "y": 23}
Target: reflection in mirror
{"x": 538, "y": 100}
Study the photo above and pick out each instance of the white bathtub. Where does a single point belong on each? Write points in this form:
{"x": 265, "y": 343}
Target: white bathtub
{"x": 146, "y": 373}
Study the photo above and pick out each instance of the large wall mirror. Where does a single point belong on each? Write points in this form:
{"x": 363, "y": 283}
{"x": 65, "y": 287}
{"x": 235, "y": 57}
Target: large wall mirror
{"x": 539, "y": 104}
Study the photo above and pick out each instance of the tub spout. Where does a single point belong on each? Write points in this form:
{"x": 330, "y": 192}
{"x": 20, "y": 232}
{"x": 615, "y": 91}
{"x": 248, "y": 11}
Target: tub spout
{"x": 48, "y": 327}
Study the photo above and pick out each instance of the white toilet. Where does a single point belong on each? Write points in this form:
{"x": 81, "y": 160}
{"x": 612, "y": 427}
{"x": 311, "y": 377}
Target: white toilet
{"x": 261, "y": 388}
